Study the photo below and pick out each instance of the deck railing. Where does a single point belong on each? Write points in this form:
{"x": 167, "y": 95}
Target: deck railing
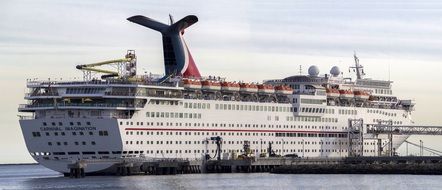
{"x": 22, "y": 106}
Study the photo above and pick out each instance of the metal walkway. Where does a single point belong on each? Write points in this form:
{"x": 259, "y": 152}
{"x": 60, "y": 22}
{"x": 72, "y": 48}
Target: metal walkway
{"x": 356, "y": 142}
{"x": 404, "y": 129}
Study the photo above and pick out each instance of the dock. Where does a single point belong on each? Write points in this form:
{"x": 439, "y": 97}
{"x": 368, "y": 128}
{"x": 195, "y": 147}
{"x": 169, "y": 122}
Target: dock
{"x": 430, "y": 165}
{"x": 367, "y": 165}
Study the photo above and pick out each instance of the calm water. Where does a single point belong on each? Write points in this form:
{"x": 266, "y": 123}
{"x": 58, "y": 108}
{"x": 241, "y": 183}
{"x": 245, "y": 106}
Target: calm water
{"x": 38, "y": 177}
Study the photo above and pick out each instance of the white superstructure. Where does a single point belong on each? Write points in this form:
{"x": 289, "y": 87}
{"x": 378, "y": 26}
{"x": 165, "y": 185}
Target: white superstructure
{"x": 128, "y": 116}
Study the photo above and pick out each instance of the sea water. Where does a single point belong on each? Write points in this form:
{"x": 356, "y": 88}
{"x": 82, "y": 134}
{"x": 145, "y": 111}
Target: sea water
{"x": 38, "y": 177}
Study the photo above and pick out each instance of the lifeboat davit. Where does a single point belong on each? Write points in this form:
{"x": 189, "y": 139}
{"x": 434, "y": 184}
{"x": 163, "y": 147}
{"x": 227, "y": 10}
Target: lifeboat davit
{"x": 230, "y": 86}
{"x": 283, "y": 90}
{"x": 246, "y": 87}
{"x": 361, "y": 95}
{"x": 332, "y": 93}
{"x": 192, "y": 84}
{"x": 346, "y": 94}
{"x": 266, "y": 88}
{"x": 210, "y": 85}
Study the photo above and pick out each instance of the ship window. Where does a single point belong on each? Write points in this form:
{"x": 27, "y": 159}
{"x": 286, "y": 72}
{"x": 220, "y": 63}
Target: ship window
{"x": 78, "y": 123}
{"x": 53, "y": 123}
{"x": 83, "y": 143}
{"x": 88, "y": 123}
{"x": 47, "y": 134}
{"x": 58, "y": 143}
{"x": 91, "y": 133}
{"x": 60, "y": 123}
{"x": 76, "y": 143}
{"x": 71, "y": 123}
{"x": 55, "y": 133}
{"x": 81, "y": 133}
{"x": 65, "y": 143}
{"x": 50, "y": 143}
{"x": 45, "y": 124}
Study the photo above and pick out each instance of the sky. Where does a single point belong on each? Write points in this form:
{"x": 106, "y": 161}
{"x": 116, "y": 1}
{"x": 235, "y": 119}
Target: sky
{"x": 241, "y": 40}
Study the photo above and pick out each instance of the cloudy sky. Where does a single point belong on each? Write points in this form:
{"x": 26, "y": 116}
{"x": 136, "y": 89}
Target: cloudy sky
{"x": 241, "y": 40}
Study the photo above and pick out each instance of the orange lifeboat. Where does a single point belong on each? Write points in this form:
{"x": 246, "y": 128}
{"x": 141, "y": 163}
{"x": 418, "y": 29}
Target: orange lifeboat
{"x": 346, "y": 94}
{"x": 246, "y": 87}
{"x": 361, "y": 95}
{"x": 210, "y": 85}
{"x": 266, "y": 88}
{"x": 230, "y": 86}
{"x": 332, "y": 93}
{"x": 283, "y": 89}
{"x": 192, "y": 84}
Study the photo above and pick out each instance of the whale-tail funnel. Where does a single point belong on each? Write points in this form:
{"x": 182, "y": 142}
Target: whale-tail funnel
{"x": 177, "y": 57}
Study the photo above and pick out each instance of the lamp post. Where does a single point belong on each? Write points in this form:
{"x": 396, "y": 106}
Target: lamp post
{"x": 406, "y": 151}
{"x": 260, "y": 149}
{"x": 303, "y": 148}
{"x": 421, "y": 148}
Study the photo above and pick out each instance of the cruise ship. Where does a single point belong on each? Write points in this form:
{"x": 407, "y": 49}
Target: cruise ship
{"x": 115, "y": 114}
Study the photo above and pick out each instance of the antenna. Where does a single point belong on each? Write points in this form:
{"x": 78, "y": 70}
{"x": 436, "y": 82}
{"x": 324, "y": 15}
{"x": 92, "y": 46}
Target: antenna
{"x": 358, "y": 68}
{"x": 171, "y": 19}
{"x": 300, "y": 69}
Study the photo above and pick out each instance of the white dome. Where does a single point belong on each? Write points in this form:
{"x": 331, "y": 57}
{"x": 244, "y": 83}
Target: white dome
{"x": 335, "y": 71}
{"x": 313, "y": 70}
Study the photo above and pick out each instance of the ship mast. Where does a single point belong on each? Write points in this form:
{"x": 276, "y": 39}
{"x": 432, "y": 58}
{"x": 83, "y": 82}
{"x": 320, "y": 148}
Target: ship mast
{"x": 358, "y": 68}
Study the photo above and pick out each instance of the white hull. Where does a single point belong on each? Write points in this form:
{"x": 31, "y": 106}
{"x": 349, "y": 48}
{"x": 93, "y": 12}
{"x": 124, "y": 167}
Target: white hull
{"x": 167, "y": 137}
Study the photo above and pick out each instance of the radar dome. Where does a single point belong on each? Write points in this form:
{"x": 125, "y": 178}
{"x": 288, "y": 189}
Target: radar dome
{"x": 313, "y": 70}
{"x": 335, "y": 71}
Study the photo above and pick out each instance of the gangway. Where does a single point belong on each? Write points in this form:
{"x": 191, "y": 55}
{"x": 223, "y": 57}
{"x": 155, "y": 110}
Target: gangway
{"x": 386, "y": 127}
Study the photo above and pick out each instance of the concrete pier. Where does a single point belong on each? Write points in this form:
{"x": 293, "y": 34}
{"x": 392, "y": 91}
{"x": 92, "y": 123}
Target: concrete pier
{"x": 368, "y": 165}
{"x": 279, "y": 165}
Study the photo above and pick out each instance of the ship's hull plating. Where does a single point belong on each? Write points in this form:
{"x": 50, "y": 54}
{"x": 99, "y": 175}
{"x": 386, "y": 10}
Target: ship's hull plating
{"x": 100, "y": 141}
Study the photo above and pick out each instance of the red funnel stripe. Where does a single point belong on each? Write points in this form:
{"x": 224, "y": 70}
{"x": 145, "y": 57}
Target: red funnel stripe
{"x": 192, "y": 70}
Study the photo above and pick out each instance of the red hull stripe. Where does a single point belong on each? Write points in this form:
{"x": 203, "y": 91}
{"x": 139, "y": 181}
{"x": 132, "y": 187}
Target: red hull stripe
{"x": 232, "y": 130}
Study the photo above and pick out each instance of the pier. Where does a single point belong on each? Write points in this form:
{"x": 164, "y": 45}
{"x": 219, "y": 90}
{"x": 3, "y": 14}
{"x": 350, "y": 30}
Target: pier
{"x": 355, "y": 163}
{"x": 428, "y": 165}
{"x": 368, "y": 165}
